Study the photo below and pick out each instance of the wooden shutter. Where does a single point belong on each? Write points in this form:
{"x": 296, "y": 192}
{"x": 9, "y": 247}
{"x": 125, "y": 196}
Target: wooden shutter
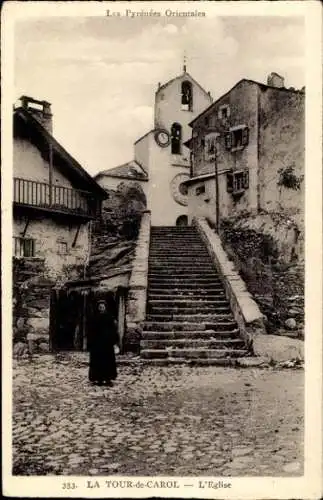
{"x": 229, "y": 183}
{"x": 245, "y": 136}
{"x": 246, "y": 179}
{"x": 228, "y": 140}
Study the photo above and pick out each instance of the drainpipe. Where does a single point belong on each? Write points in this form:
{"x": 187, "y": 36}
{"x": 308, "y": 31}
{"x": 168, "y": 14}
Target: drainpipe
{"x": 50, "y": 174}
{"x": 217, "y": 201}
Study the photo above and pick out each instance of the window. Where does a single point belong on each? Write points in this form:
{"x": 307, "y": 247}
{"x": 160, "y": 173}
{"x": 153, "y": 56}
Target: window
{"x": 183, "y": 189}
{"x": 224, "y": 112}
{"x": 187, "y": 96}
{"x": 237, "y": 182}
{"x": 176, "y": 138}
{"x": 24, "y": 247}
{"x": 62, "y": 247}
{"x": 237, "y": 138}
{"x": 211, "y": 146}
{"x": 200, "y": 190}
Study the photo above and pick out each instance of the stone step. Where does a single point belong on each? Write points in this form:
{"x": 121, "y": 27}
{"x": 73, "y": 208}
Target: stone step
{"x": 181, "y": 249}
{"x": 195, "y": 318}
{"x": 191, "y": 334}
{"x": 190, "y": 264}
{"x": 190, "y": 274}
{"x": 178, "y": 257}
{"x": 231, "y": 362}
{"x": 171, "y": 242}
{"x": 185, "y": 282}
{"x": 192, "y": 343}
{"x": 213, "y": 326}
{"x": 186, "y": 251}
{"x": 183, "y": 287}
{"x": 189, "y": 302}
{"x": 170, "y": 237}
{"x": 186, "y": 297}
{"x": 197, "y": 353}
{"x": 171, "y": 311}
{"x": 182, "y": 269}
{"x": 192, "y": 257}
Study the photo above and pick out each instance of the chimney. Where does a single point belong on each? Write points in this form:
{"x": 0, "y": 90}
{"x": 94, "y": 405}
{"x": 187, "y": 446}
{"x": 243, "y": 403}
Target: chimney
{"x": 41, "y": 110}
{"x": 275, "y": 80}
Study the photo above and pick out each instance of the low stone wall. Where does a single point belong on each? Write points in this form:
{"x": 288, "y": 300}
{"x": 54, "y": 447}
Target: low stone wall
{"x": 245, "y": 310}
{"x": 137, "y": 294}
{"x": 31, "y": 302}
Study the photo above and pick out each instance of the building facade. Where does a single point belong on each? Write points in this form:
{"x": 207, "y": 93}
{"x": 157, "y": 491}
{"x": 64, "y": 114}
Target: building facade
{"x": 252, "y": 141}
{"x": 161, "y": 159}
{"x": 54, "y": 202}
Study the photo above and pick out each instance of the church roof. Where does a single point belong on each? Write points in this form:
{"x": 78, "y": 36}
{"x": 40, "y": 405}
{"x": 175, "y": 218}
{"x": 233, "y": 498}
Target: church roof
{"x": 184, "y": 74}
{"x": 130, "y": 170}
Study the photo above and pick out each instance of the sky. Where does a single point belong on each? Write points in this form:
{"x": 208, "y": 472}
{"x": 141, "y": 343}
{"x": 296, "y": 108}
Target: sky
{"x": 101, "y": 74}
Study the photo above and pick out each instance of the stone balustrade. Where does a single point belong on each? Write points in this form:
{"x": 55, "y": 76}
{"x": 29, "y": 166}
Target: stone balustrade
{"x": 137, "y": 294}
{"x": 246, "y": 312}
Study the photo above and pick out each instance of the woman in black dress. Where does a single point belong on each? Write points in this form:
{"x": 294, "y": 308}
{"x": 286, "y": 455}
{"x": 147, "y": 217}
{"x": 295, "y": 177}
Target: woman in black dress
{"x": 102, "y": 339}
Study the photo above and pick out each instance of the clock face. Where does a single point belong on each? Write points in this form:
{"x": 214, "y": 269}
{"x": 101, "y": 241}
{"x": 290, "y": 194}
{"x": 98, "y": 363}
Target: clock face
{"x": 162, "y": 138}
{"x": 178, "y": 190}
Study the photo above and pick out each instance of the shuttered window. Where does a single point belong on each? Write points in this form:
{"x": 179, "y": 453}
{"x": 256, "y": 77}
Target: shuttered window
{"x": 24, "y": 247}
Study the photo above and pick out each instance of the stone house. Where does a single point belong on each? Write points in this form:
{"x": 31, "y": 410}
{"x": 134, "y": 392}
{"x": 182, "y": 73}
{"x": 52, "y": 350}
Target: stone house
{"x": 54, "y": 203}
{"x": 253, "y": 136}
{"x": 247, "y": 179}
{"x": 161, "y": 161}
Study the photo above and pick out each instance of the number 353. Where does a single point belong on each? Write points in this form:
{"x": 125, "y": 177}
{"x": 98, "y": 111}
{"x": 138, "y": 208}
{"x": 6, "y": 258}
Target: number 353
{"x": 69, "y": 486}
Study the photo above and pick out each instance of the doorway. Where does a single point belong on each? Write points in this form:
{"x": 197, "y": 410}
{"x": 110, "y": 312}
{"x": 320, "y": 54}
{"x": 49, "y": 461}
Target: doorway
{"x": 182, "y": 220}
{"x": 70, "y": 316}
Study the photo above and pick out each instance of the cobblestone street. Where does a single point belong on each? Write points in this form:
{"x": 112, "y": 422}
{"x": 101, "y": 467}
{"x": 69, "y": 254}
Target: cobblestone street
{"x": 196, "y": 421}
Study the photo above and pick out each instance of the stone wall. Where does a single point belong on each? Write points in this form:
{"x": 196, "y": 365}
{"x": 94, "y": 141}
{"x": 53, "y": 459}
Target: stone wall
{"x": 55, "y": 243}
{"x": 31, "y": 303}
{"x": 271, "y": 263}
{"x": 137, "y": 295}
{"x": 245, "y": 310}
{"x": 281, "y": 147}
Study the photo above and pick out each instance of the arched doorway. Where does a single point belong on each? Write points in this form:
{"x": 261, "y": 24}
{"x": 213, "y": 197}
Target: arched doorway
{"x": 182, "y": 220}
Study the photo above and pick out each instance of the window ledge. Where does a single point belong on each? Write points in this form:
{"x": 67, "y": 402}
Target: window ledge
{"x": 238, "y": 192}
{"x": 238, "y": 148}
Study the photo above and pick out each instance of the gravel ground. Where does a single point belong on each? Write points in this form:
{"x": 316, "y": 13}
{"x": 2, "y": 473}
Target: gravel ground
{"x": 176, "y": 421}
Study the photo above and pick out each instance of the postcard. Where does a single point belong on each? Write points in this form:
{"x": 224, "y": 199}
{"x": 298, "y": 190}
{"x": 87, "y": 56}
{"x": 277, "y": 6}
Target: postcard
{"x": 161, "y": 251}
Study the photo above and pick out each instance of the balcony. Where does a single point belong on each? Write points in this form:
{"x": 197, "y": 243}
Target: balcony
{"x": 43, "y": 196}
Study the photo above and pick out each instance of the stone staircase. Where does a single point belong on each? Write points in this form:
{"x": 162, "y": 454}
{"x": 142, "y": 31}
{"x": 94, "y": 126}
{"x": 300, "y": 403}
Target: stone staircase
{"x": 188, "y": 318}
